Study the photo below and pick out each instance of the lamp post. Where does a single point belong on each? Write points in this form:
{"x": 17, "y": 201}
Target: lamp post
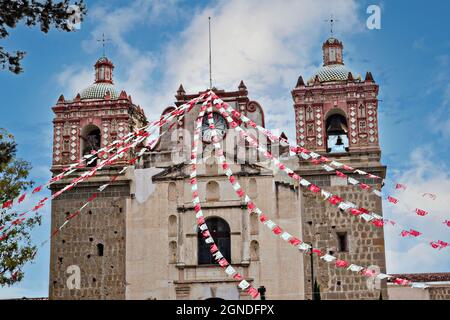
{"x": 262, "y": 292}
{"x": 312, "y": 272}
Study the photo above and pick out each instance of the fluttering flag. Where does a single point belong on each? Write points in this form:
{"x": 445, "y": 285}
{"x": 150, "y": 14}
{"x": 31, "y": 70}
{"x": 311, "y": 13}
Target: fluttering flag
{"x": 404, "y": 233}
{"x": 378, "y": 223}
{"x": 400, "y": 186}
{"x": 37, "y": 189}
{"x": 341, "y": 263}
{"x": 421, "y": 212}
{"x": 392, "y": 200}
{"x": 314, "y": 188}
{"x": 414, "y": 233}
{"x": 21, "y": 198}
{"x": 7, "y": 204}
{"x": 253, "y": 292}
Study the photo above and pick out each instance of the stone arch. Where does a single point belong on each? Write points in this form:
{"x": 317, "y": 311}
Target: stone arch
{"x": 219, "y": 230}
{"x": 254, "y": 250}
{"x": 336, "y": 129}
{"x": 172, "y": 225}
{"x": 172, "y": 192}
{"x": 172, "y": 252}
{"x": 90, "y": 140}
{"x": 212, "y": 191}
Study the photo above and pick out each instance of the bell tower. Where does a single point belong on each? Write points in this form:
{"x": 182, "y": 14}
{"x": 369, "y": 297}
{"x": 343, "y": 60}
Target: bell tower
{"x": 336, "y": 111}
{"x": 92, "y": 245}
{"x": 336, "y": 115}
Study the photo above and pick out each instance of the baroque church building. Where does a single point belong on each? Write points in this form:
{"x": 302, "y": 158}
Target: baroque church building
{"x": 139, "y": 238}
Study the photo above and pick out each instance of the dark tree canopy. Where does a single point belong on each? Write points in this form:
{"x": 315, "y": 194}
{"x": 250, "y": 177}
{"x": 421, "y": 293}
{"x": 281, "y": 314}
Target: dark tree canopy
{"x": 16, "y": 248}
{"x": 46, "y": 14}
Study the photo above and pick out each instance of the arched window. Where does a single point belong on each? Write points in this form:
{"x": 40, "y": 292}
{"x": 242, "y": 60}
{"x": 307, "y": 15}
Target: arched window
{"x": 90, "y": 140}
{"x": 361, "y": 111}
{"x": 212, "y": 191}
{"x": 309, "y": 114}
{"x": 220, "y": 232}
{"x": 172, "y": 252}
{"x": 254, "y": 250}
{"x": 172, "y": 226}
{"x": 172, "y": 191}
{"x": 337, "y": 134}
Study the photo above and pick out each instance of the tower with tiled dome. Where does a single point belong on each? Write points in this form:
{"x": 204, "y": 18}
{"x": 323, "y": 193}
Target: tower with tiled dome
{"x": 94, "y": 242}
{"x": 336, "y": 115}
{"x": 336, "y": 111}
{"x": 98, "y": 115}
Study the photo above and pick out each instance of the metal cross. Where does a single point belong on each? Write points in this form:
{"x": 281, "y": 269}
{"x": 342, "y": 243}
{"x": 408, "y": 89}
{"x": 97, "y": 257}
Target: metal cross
{"x": 103, "y": 40}
{"x": 331, "y": 21}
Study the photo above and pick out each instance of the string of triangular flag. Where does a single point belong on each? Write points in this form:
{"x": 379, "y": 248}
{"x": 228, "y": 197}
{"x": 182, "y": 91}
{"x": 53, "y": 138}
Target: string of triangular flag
{"x": 345, "y": 206}
{"x": 278, "y": 231}
{"x": 128, "y": 143}
{"x": 203, "y": 227}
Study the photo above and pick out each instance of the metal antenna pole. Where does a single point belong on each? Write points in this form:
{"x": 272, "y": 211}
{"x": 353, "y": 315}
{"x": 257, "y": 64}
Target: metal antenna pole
{"x": 210, "y": 67}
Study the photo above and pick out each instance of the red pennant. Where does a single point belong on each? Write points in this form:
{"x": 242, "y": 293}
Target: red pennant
{"x": 434, "y": 245}
{"x": 340, "y": 174}
{"x": 223, "y": 263}
{"x": 421, "y": 212}
{"x": 213, "y": 248}
{"x": 341, "y": 263}
{"x": 92, "y": 197}
{"x": 294, "y": 241}
{"x": 392, "y": 200}
{"x": 253, "y": 292}
{"x": 262, "y": 218}
{"x": 378, "y": 223}
{"x": 400, "y": 186}
{"x": 7, "y": 204}
{"x": 443, "y": 244}
{"x": 237, "y": 276}
{"x": 317, "y": 251}
{"x": 314, "y": 188}
{"x": 414, "y": 233}
{"x": 22, "y": 197}
{"x": 364, "y": 186}
{"x": 404, "y": 233}
{"x": 277, "y": 230}
{"x": 334, "y": 200}
{"x": 355, "y": 212}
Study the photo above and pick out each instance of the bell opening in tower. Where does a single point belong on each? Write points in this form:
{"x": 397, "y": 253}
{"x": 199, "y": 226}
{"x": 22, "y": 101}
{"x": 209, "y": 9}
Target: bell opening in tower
{"x": 90, "y": 141}
{"x": 337, "y": 134}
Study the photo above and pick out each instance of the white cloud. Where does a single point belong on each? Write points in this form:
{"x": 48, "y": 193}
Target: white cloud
{"x": 426, "y": 174}
{"x": 264, "y": 44}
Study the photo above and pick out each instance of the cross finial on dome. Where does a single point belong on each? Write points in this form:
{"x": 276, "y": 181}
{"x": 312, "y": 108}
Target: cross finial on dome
{"x": 331, "y": 21}
{"x": 103, "y": 41}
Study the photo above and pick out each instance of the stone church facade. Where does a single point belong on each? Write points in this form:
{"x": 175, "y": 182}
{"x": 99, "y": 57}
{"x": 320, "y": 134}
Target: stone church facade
{"x": 139, "y": 238}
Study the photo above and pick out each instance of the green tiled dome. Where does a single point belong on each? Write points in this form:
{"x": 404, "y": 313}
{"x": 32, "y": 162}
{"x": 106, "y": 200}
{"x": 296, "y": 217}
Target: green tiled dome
{"x": 332, "y": 72}
{"x": 98, "y": 91}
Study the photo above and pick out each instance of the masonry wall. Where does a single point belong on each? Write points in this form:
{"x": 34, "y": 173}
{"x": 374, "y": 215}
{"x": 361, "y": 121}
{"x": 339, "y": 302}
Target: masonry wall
{"x": 100, "y": 223}
{"x": 321, "y": 224}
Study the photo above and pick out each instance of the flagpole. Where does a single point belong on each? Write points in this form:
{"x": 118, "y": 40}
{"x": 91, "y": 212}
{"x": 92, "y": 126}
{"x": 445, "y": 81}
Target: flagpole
{"x": 210, "y": 68}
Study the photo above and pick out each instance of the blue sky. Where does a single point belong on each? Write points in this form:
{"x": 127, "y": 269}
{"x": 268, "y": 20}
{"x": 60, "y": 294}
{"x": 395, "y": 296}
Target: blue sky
{"x": 156, "y": 45}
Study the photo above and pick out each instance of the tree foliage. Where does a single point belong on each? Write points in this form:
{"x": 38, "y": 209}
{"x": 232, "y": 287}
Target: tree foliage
{"x": 16, "y": 248}
{"x": 43, "y": 13}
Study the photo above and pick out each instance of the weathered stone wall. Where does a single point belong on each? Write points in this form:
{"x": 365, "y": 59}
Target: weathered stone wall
{"x": 439, "y": 293}
{"x": 321, "y": 224}
{"x": 101, "y": 222}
